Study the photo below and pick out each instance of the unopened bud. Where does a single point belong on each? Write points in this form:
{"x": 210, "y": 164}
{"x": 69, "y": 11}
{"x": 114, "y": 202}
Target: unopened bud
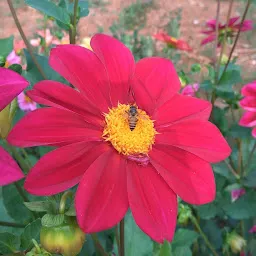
{"x": 184, "y": 214}
{"x": 235, "y": 242}
{"x": 6, "y": 117}
{"x": 2, "y": 61}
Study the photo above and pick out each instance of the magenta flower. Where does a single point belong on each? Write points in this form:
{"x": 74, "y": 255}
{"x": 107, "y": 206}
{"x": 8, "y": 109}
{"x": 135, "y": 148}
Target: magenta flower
{"x": 236, "y": 193}
{"x": 25, "y": 103}
{"x": 248, "y": 103}
{"x": 232, "y": 27}
{"x": 252, "y": 229}
{"x": 190, "y": 90}
{"x": 12, "y": 58}
{"x": 11, "y": 84}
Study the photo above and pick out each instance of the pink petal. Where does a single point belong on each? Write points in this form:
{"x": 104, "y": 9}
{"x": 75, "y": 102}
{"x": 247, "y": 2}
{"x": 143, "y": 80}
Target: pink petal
{"x": 236, "y": 193}
{"x": 155, "y": 82}
{"x": 249, "y": 89}
{"x": 9, "y": 169}
{"x": 11, "y": 84}
{"x": 208, "y": 39}
{"x": 62, "y": 168}
{"x": 101, "y": 198}
{"x": 180, "y": 108}
{"x": 190, "y": 177}
{"x": 51, "y": 126}
{"x": 254, "y": 132}
{"x": 119, "y": 63}
{"x": 58, "y": 95}
{"x": 152, "y": 202}
{"x": 82, "y": 68}
{"x": 233, "y": 20}
{"x": 248, "y": 103}
{"x": 252, "y": 229}
{"x": 211, "y": 23}
{"x": 198, "y": 137}
{"x": 248, "y": 119}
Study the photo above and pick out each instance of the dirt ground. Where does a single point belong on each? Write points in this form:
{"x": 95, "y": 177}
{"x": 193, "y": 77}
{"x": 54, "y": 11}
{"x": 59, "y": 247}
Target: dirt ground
{"x": 194, "y": 15}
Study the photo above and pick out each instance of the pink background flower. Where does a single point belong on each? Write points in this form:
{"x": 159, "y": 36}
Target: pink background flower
{"x": 25, "y": 103}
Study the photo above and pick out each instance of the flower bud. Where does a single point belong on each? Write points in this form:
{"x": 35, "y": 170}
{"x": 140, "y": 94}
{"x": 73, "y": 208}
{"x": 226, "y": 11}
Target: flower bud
{"x": 6, "y": 117}
{"x": 184, "y": 214}
{"x": 66, "y": 239}
{"x": 235, "y": 242}
{"x": 2, "y": 61}
{"x": 224, "y": 59}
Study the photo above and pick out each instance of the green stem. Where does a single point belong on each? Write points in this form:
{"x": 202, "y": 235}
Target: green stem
{"x": 236, "y": 39}
{"x": 74, "y": 21}
{"x": 21, "y": 192}
{"x": 216, "y": 33}
{"x": 232, "y": 169}
{"x": 11, "y": 224}
{"x": 117, "y": 239}
{"x": 24, "y": 152}
{"x": 97, "y": 245}
{"x": 206, "y": 240}
{"x": 29, "y": 47}
{"x": 224, "y": 40}
{"x": 122, "y": 238}
{"x": 250, "y": 156}
{"x": 24, "y": 166}
{"x": 63, "y": 201}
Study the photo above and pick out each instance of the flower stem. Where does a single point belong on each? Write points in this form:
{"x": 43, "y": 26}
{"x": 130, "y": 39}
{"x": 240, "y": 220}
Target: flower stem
{"x": 224, "y": 40}
{"x": 122, "y": 237}
{"x": 97, "y": 245}
{"x": 29, "y": 47}
{"x": 216, "y": 33}
{"x": 63, "y": 201}
{"x": 207, "y": 242}
{"x": 236, "y": 39}
{"x": 117, "y": 239}
{"x": 23, "y": 164}
{"x": 250, "y": 156}
{"x": 12, "y": 224}
{"x": 74, "y": 21}
{"x": 24, "y": 152}
{"x": 231, "y": 169}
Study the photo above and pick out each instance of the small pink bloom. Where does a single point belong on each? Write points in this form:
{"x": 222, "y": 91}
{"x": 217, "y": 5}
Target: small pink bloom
{"x": 248, "y": 103}
{"x": 12, "y": 58}
{"x": 25, "y": 103}
{"x": 232, "y": 27}
{"x": 252, "y": 229}
{"x": 236, "y": 193}
{"x": 11, "y": 84}
{"x": 190, "y": 90}
{"x": 35, "y": 42}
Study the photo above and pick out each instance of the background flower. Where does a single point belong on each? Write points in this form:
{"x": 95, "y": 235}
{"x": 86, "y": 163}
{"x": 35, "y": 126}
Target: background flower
{"x": 25, "y": 103}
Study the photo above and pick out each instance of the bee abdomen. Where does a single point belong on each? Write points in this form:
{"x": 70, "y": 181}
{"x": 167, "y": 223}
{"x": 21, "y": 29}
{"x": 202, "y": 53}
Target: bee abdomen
{"x": 132, "y": 125}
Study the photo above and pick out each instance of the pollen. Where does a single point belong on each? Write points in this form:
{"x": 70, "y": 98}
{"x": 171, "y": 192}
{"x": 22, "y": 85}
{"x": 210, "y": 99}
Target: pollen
{"x": 124, "y": 140}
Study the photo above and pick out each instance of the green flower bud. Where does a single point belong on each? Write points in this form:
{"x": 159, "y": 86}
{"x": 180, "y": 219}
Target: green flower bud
{"x": 6, "y": 117}
{"x": 2, "y": 61}
{"x": 66, "y": 239}
{"x": 235, "y": 242}
{"x": 184, "y": 214}
{"x": 224, "y": 59}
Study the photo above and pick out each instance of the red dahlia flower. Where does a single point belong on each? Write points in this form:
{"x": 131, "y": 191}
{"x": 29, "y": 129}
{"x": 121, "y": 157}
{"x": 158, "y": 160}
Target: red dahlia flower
{"x": 248, "y": 103}
{"x": 11, "y": 84}
{"x": 117, "y": 168}
{"x": 232, "y": 27}
{"x": 173, "y": 42}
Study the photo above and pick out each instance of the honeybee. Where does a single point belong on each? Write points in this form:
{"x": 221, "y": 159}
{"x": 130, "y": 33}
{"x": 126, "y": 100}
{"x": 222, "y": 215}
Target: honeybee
{"x": 132, "y": 117}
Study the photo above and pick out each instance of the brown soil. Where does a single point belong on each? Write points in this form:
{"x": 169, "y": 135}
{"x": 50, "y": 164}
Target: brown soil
{"x": 194, "y": 15}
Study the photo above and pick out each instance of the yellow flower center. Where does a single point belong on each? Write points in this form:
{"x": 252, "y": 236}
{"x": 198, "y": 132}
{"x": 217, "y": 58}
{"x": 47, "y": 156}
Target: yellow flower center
{"x": 27, "y": 99}
{"x": 119, "y": 130}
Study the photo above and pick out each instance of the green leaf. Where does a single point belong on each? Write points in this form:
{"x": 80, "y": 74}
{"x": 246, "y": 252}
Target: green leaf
{"x": 50, "y": 9}
{"x": 219, "y": 117}
{"x": 243, "y": 208}
{"x": 16, "y": 67}
{"x": 165, "y": 250}
{"x": 207, "y": 211}
{"x": 136, "y": 242}
{"x": 39, "y": 206}
{"x": 6, "y": 46}
{"x": 184, "y": 237}
{"x": 71, "y": 211}
{"x": 32, "y": 74}
{"x": 250, "y": 180}
{"x": 231, "y": 77}
{"x": 14, "y": 205}
{"x": 181, "y": 251}
{"x": 237, "y": 131}
{"x": 9, "y": 243}
{"x": 52, "y": 220}
{"x": 31, "y": 231}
